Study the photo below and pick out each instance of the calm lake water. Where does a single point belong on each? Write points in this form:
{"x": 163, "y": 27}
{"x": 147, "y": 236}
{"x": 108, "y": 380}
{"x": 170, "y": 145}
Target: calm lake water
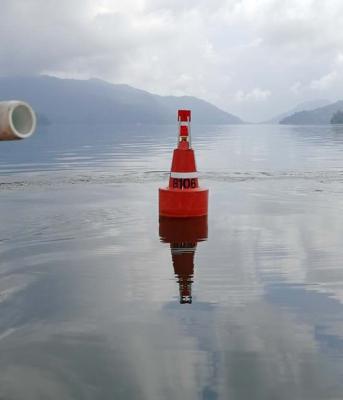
{"x": 90, "y": 294}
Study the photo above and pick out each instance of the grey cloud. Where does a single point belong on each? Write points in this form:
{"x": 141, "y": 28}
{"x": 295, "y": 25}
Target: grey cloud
{"x": 211, "y": 49}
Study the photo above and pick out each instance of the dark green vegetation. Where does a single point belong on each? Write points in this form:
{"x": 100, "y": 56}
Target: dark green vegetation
{"x": 319, "y": 116}
{"x": 95, "y": 101}
{"x": 337, "y": 118}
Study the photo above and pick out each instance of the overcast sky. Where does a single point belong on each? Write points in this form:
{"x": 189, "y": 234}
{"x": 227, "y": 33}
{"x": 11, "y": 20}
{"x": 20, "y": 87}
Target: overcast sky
{"x": 254, "y": 58}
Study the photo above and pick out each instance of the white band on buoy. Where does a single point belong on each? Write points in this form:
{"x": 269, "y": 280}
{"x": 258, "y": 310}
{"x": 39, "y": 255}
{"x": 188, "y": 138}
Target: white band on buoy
{"x": 184, "y": 175}
{"x": 183, "y": 250}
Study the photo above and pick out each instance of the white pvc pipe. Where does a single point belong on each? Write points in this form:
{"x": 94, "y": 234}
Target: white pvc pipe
{"x": 17, "y": 120}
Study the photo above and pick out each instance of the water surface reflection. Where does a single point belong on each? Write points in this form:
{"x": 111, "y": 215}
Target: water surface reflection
{"x": 89, "y": 308}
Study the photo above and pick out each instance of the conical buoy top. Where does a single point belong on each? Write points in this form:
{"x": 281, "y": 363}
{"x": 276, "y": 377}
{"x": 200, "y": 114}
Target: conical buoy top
{"x": 183, "y": 197}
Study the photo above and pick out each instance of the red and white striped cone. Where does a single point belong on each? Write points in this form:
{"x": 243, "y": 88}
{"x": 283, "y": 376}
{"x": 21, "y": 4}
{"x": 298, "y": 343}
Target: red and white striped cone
{"x": 183, "y": 197}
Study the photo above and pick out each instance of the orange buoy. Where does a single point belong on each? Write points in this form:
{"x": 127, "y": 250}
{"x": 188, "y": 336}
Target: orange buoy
{"x": 183, "y": 197}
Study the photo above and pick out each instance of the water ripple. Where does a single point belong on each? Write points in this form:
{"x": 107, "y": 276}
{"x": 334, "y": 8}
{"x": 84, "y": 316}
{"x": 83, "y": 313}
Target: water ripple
{"x": 51, "y": 179}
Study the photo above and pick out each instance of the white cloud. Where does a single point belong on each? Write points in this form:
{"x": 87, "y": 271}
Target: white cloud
{"x": 296, "y": 88}
{"x": 254, "y": 95}
{"x": 325, "y": 82}
{"x": 331, "y": 79}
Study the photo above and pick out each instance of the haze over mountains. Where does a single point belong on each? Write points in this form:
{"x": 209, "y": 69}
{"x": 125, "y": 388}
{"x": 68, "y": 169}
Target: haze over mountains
{"x": 318, "y": 116}
{"x": 305, "y": 106}
{"x": 96, "y": 101}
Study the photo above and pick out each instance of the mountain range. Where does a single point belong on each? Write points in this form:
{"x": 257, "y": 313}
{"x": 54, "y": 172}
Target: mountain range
{"x": 95, "y": 101}
{"x": 318, "y": 116}
{"x": 305, "y": 106}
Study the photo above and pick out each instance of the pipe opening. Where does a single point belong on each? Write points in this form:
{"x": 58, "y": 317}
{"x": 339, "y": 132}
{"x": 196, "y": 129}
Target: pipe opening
{"x": 23, "y": 120}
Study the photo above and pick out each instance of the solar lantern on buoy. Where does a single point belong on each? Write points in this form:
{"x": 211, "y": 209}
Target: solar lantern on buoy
{"x": 183, "y": 197}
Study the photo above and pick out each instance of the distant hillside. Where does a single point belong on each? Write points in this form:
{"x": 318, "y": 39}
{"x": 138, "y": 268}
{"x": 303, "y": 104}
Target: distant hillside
{"x": 337, "y": 118}
{"x": 95, "y": 101}
{"x": 319, "y": 116}
{"x": 305, "y": 106}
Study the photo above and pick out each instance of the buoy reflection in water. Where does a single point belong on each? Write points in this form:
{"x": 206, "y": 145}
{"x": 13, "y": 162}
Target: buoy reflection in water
{"x": 183, "y": 235}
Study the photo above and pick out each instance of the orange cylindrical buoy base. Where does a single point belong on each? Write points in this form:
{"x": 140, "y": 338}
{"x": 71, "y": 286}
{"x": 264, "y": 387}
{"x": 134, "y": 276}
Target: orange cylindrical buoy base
{"x": 183, "y": 203}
